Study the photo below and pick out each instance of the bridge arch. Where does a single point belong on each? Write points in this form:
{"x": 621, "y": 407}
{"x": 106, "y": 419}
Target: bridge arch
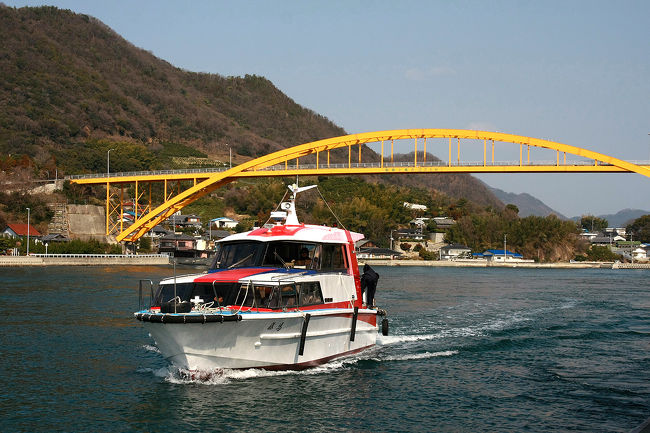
{"x": 257, "y": 166}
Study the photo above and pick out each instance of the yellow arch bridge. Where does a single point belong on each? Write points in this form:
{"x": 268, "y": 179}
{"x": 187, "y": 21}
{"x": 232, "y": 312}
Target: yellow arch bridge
{"x": 313, "y": 159}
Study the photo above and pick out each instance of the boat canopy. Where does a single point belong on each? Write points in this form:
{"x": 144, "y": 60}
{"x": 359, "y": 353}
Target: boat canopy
{"x": 280, "y": 254}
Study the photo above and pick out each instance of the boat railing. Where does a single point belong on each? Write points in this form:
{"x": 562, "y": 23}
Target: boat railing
{"x": 141, "y": 288}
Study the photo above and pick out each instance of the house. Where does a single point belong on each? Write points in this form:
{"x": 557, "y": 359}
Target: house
{"x": 620, "y": 231}
{"x": 223, "y": 223}
{"x": 414, "y": 206}
{"x": 159, "y": 232}
{"x": 413, "y": 234}
{"x": 377, "y": 253}
{"x": 501, "y": 255}
{"x": 364, "y": 243}
{"x": 444, "y": 222}
{"x": 54, "y": 238}
{"x": 192, "y": 221}
{"x": 588, "y": 235}
{"x": 455, "y": 251}
{"x": 640, "y": 254}
{"x": 179, "y": 245}
{"x": 218, "y": 234}
{"x": 419, "y": 223}
{"x": 610, "y": 239}
{"x": 179, "y": 220}
{"x": 20, "y": 230}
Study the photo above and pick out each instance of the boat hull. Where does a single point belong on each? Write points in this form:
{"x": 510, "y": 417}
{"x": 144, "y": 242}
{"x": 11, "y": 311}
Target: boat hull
{"x": 288, "y": 340}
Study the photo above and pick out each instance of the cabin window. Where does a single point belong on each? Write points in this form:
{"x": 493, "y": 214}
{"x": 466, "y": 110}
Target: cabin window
{"x": 333, "y": 258}
{"x": 290, "y": 254}
{"x": 225, "y": 293}
{"x": 245, "y": 296}
{"x": 288, "y": 296}
{"x": 267, "y": 296}
{"x": 310, "y": 293}
{"x": 166, "y": 292}
{"x": 238, "y": 254}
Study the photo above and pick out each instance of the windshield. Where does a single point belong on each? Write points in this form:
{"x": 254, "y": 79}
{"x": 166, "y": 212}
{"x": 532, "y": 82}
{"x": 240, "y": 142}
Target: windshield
{"x": 238, "y": 255}
{"x": 281, "y": 254}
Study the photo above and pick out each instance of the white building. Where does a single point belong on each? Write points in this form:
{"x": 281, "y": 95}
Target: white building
{"x": 223, "y": 223}
{"x": 415, "y": 206}
{"x": 454, "y": 251}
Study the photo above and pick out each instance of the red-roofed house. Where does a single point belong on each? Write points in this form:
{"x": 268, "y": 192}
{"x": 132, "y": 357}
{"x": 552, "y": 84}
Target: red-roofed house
{"x": 20, "y": 230}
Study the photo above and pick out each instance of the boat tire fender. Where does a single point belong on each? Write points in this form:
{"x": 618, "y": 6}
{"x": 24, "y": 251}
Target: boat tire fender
{"x": 384, "y": 327}
{"x": 353, "y": 329}
{"x": 303, "y": 334}
{"x": 187, "y": 318}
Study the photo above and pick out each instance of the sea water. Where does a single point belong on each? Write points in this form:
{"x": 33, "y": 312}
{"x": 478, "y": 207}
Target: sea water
{"x": 490, "y": 350}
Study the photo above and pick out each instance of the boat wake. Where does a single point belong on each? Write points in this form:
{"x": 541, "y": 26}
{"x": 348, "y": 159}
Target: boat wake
{"x": 413, "y": 347}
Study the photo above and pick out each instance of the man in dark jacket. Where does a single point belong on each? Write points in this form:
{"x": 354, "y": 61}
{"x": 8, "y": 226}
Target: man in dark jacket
{"x": 369, "y": 284}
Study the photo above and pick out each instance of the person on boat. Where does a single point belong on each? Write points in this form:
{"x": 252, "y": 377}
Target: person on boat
{"x": 369, "y": 284}
{"x": 304, "y": 259}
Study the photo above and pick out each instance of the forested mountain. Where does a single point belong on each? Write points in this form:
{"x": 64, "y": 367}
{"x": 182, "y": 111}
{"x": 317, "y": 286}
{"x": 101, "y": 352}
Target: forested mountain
{"x": 526, "y": 203}
{"x": 68, "y": 78}
{"x": 72, "y": 88}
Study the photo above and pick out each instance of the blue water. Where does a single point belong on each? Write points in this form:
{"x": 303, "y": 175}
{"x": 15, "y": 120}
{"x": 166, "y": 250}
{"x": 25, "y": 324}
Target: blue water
{"x": 470, "y": 350}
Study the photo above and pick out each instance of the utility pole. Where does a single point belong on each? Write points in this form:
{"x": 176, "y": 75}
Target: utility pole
{"x": 27, "y": 232}
{"x": 108, "y": 162}
{"x": 108, "y": 187}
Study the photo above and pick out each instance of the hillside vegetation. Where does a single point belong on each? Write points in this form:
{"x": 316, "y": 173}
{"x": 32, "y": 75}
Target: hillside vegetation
{"x": 72, "y": 89}
{"x": 68, "y": 78}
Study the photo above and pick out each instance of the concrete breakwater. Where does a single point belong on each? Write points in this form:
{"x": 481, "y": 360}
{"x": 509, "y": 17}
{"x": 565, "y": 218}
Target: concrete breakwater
{"x": 84, "y": 260}
{"x": 487, "y": 264}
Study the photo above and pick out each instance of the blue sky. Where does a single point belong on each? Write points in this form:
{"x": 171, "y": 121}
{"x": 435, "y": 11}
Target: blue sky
{"x": 577, "y": 72}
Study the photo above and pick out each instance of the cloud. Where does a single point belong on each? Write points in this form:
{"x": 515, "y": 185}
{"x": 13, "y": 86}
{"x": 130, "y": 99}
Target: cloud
{"x": 417, "y": 74}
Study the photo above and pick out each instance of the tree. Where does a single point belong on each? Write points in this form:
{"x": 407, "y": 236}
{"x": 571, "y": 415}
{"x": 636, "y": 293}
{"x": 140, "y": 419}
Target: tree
{"x": 145, "y": 244}
{"x": 640, "y": 228}
{"x": 593, "y": 224}
{"x": 512, "y": 208}
{"x": 601, "y": 254}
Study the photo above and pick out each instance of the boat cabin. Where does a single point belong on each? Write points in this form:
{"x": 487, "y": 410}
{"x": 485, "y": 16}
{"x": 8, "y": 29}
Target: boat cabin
{"x": 281, "y": 254}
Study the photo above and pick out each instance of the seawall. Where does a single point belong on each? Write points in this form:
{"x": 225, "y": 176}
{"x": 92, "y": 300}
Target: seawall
{"x": 486, "y": 264}
{"x": 84, "y": 260}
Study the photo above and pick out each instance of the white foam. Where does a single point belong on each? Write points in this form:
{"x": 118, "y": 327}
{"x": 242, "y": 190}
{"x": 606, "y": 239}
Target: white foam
{"x": 150, "y": 348}
{"x": 425, "y": 355}
{"x": 385, "y": 340}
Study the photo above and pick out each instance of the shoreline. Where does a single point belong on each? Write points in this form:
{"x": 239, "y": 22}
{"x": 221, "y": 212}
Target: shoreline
{"x": 486, "y": 264}
{"x": 163, "y": 259}
{"x": 84, "y": 260}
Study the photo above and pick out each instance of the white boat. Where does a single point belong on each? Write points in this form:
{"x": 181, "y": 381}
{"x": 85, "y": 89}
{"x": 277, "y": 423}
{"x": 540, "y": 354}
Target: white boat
{"x": 281, "y": 297}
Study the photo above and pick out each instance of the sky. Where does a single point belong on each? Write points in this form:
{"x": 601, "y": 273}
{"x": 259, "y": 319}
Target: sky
{"x": 576, "y": 72}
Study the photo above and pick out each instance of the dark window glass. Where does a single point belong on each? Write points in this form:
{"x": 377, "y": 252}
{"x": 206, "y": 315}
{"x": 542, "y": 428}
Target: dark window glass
{"x": 333, "y": 258}
{"x": 266, "y": 297}
{"x": 288, "y": 296}
{"x": 310, "y": 293}
{"x": 291, "y": 254}
{"x": 166, "y": 292}
{"x": 245, "y": 296}
{"x": 238, "y": 255}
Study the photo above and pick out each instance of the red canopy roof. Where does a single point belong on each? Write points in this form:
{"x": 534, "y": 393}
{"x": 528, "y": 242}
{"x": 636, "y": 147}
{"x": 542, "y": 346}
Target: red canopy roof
{"x": 21, "y": 229}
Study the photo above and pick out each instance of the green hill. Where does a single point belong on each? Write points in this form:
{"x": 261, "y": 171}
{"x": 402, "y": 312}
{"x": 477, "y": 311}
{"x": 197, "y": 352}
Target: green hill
{"x": 72, "y": 89}
{"x": 68, "y": 78}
